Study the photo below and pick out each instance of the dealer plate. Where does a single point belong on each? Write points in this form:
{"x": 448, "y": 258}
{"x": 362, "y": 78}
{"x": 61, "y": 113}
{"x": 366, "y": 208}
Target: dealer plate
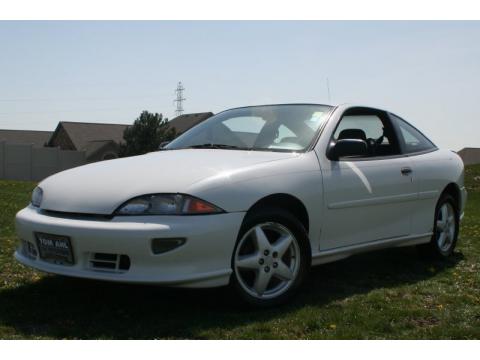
{"x": 56, "y": 249}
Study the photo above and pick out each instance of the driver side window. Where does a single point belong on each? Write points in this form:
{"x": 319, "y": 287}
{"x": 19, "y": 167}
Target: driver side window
{"x": 372, "y": 127}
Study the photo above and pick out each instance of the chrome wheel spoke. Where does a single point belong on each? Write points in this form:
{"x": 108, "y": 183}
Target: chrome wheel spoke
{"x": 261, "y": 239}
{"x": 451, "y": 233}
{"x": 444, "y": 212}
{"x": 261, "y": 281}
{"x": 441, "y": 240}
{"x": 283, "y": 272}
{"x": 447, "y": 241}
{"x": 440, "y": 225}
{"x": 282, "y": 245}
{"x": 248, "y": 261}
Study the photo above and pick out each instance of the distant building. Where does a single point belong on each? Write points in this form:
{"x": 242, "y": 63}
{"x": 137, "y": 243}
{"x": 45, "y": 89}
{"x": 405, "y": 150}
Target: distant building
{"x": 184, "y": 122}
{"x": 99, "y": 141}
{"x": 33, "y": 137}
{"x": 470, "y": 156}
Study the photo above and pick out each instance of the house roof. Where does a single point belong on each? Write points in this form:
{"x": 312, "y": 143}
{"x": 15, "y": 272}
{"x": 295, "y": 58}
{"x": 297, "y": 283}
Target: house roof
{"x": 82, "y": 134}
{"x": 37, "y": 138}
{"x": 184, "y": 122}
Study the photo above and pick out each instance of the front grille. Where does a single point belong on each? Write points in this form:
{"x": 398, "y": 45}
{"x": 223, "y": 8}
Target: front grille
{"x": 109, "y": 262}
{"x": 76, "y": 216}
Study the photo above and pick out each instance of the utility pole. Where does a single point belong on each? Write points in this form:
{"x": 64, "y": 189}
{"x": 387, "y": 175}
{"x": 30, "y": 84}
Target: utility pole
{"x": 180, "y": 99}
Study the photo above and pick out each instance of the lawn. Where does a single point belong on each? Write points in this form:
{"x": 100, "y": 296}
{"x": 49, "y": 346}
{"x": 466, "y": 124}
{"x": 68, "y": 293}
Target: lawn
{"x": 387, "y": 294}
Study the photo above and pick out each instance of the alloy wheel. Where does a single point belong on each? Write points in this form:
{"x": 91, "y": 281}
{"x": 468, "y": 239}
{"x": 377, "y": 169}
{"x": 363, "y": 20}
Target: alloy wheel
{"x": 445, "y": 227}
{"x": 267, "y": 260}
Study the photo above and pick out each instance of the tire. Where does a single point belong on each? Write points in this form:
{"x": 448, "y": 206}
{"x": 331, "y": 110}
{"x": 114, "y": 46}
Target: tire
{"x": 445, "y": 230}
{"x": 271, "y": 258}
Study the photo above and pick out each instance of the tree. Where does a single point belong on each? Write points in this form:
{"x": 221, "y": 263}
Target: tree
{"x": 146, "y": 134}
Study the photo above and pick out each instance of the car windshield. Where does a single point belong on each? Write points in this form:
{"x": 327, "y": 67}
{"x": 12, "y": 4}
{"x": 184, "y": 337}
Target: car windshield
{"x": 271, "y": 128}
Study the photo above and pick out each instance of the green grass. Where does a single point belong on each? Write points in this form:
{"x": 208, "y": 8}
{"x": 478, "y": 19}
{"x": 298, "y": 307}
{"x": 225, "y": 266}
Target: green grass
{"x": 386, "y": 294}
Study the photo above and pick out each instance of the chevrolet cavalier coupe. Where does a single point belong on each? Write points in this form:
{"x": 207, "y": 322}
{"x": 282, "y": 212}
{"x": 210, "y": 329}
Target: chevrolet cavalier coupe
{"x": 251, "y": 197}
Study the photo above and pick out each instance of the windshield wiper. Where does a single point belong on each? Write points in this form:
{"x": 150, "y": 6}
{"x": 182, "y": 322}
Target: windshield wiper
{"x": 217, "y": 146}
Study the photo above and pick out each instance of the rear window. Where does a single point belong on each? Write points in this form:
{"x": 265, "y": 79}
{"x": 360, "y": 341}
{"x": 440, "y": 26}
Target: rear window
{"x": 413, "y": 140}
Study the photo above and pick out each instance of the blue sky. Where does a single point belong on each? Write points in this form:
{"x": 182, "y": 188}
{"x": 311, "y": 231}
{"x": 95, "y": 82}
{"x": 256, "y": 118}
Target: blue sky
{"x": 426, "y": 72}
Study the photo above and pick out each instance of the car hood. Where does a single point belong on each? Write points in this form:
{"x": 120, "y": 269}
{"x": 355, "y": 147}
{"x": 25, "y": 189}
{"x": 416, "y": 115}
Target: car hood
{"x": 100, "y": 188}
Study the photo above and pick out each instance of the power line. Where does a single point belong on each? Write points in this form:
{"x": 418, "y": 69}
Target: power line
{"x": 55, "y": 99}
{"x": 180, "y": 99}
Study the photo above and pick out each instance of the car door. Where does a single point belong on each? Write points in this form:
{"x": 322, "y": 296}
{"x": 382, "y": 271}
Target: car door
{"x": 367, "y": 198}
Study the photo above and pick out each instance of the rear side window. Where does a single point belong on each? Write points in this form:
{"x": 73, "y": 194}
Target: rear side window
{"x": 413, "y": 140}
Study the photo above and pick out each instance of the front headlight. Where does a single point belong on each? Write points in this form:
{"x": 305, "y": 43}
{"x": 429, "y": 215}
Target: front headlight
{"x": 167, "y": 204}
{"x": 37, "y": 195}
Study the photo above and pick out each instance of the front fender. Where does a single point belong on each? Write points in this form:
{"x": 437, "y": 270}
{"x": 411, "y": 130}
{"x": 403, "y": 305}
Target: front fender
{"x": 300, "y": 177}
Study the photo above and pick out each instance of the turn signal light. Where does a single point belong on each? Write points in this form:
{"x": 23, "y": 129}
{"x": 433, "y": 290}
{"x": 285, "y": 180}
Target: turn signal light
{"x": 196, "y": 206}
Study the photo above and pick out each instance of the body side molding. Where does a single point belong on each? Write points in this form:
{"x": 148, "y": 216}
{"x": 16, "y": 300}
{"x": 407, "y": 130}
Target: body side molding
{"x": 326, "y": 256}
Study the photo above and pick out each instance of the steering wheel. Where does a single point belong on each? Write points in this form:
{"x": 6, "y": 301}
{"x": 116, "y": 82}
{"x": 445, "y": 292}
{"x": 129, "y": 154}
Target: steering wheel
{"x": 373, "y": 144}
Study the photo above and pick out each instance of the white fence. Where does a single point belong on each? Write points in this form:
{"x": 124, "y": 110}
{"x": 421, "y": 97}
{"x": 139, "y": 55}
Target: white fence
{"x": 26, "y": 162}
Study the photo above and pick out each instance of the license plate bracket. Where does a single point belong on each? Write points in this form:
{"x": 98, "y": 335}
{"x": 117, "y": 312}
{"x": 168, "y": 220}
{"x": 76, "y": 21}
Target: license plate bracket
{"x": 56, "y": 249}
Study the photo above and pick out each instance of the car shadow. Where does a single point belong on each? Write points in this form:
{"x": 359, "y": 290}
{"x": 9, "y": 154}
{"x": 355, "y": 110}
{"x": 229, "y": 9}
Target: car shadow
{"x": 60, "y": 307}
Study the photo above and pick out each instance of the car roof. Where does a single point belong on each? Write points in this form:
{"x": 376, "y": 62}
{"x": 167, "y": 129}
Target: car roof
{"x": 340, "y": 106}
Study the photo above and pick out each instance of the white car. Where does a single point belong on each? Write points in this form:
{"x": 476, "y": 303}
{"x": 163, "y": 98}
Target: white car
{"x": 253, "y": 196}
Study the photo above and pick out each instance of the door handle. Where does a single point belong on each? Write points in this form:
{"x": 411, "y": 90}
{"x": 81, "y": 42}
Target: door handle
{"x": 406, "y": 171}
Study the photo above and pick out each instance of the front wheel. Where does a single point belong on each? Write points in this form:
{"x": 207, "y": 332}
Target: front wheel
{"x": 271, "y": 258}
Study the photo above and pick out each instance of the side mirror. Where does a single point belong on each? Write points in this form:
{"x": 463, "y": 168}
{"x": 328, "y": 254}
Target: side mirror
{"x": 163, "y": 144}
{"x": 347, "y": 148}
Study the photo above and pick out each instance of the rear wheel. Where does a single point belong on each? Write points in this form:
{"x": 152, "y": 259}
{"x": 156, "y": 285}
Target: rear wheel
{"x": 446, "y": 225}
{"x": 271, "y": 258}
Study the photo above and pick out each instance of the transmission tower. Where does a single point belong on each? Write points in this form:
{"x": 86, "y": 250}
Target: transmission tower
{"x": 180, "y": 99}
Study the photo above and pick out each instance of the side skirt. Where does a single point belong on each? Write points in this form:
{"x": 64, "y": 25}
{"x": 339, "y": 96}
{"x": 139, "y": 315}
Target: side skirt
{"x": 327, "y": 256}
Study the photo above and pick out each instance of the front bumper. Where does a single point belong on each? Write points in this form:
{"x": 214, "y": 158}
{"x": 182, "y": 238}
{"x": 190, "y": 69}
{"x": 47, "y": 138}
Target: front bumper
{"x": 203, "y": 261}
